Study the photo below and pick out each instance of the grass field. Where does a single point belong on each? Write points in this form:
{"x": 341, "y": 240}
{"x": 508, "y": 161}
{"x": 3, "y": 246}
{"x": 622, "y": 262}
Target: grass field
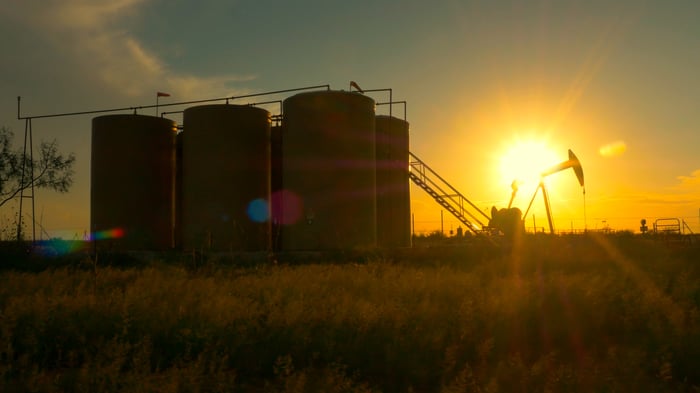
{"x": 551, "y": 314}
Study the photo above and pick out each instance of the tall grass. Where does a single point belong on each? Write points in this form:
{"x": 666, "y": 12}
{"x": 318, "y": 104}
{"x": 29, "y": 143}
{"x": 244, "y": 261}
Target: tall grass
{"x": 551, "y": 314}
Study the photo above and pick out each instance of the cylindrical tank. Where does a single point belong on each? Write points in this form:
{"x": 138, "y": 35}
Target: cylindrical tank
{"x": 276, "y": 184}
{"x": 131, "y": 181}
{"x": 393, "y": 188}
{"x": 177, "y": 225}
{"x": 226, "y": 178}
{"x": 328, "y": 171}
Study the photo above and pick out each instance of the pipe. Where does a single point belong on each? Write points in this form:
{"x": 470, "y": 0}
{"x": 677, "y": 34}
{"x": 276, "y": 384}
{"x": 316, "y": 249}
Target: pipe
{"x": 391, "y": 97}
{"x": 395, "y": 102}
{"x": 268, "y": 102}
{"x": 170, "y": 113}
{"x": 135, "y": 108}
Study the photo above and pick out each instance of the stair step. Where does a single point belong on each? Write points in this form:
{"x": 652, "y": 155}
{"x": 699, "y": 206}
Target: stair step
{"x": 453, "y": 202}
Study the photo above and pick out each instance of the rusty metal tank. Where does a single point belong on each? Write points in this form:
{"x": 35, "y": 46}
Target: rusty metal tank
{"x": 177, "y": 224}
{"x": 131, "y": 182}
{"x": 328, "y": 191}
{"x": 276, "y": 185}
{"x": 226, "y": 178}
{"x": 393, "y": 187}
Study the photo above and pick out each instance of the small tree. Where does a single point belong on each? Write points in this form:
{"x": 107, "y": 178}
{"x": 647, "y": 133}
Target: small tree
{"x": 52, "y": 169}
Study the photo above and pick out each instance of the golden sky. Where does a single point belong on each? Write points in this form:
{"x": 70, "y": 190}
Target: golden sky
{"x": 479, "y": 77}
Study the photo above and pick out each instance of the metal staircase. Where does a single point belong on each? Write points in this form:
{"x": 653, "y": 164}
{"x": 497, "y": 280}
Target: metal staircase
{"x": 446, "y": 195}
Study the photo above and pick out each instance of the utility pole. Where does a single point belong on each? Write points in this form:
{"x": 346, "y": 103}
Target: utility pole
{"x": 442, "y": 224}
{"x": 413, "y": 224}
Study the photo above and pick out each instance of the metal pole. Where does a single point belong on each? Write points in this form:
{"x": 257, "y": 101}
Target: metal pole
{"x": 547, "y": 208}
{"x": 21, "y": 182}
{"x": 31, "y": 174}
{"x": 442, "y": 224}
{"x": 391, "y": 96}
{"x": 585, "y": 216}
{"x": 27, "y": 135}
{"x": 392, "y": 103}
{"x": 413, "y": 224}
{"x": 531, "y": 200}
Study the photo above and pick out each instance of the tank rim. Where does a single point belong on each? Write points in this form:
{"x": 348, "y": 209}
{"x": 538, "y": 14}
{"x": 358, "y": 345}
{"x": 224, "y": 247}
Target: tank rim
{"x": 230, "y": 107}
{"x": 329, "y": 93}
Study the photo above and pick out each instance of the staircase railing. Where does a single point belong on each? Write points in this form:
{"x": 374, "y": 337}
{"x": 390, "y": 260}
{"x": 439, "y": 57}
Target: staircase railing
{"x": 446, "y": 195}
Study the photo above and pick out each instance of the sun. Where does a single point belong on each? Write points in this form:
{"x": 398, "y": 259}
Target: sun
{"x": 524, "y": 160}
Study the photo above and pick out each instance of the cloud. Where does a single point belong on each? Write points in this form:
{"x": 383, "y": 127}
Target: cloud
{"x": 88, "y": 14}
{"x": 692, "y": 181}
{"x": 613, "y": 149}
{"x": 685, "y": 193}
{"x": 58, "y": 14}
{"x": 681, "y": 199}
{"x": 97, "y": 36}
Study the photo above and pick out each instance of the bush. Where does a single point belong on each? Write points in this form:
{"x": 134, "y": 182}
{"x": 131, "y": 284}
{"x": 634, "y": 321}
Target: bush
{"x": 555, "y": 314}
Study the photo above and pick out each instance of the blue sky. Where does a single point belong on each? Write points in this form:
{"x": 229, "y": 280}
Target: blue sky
{"x": 478, "y": 76}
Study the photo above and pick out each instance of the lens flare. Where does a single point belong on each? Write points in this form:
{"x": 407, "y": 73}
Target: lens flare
{"x": 59, "y": 247}
{"x": 114, "y": 233}
{"x": 288, "y": 207}
{"x": 258, "y": 210}
{"x": 613, "y": 149}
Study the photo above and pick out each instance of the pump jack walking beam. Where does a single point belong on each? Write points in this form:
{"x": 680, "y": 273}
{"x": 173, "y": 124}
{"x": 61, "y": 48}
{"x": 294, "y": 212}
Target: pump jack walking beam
{"x": 572, "y": 162}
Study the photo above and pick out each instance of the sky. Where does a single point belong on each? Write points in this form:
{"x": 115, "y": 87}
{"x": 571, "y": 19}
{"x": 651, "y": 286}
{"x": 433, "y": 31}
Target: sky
{"x": 615, "y": 82}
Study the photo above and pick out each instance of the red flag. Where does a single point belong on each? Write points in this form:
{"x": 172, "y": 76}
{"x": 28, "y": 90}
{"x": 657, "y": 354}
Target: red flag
{"x": 161, "y": 94}
{"x": 354, "y": 84}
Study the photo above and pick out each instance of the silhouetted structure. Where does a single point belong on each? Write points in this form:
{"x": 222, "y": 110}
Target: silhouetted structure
{"x": 393, "y": 188}
{"x": 131, "y": 192}
{"x": 328, "y": 189}
{"x": 508, "y": 221}
{"x": 226, "y": 178}
{"x": 331, "y": 175}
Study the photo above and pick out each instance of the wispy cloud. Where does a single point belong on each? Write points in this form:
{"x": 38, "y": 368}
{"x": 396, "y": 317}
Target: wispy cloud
{"x": 685, "y": 194}
{"x": 99, "y": 34}
{"x": 690, "y": 182}
{"x": 88, "y": 14}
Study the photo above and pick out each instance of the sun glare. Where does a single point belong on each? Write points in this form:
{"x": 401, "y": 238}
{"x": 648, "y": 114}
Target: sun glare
{"x": 524, "y": 160}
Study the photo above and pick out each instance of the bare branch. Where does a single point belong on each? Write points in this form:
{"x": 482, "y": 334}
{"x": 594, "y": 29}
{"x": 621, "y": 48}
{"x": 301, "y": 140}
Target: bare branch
{"x": 52, "y": 169}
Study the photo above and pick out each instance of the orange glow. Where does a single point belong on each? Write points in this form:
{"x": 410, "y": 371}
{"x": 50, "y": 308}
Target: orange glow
{"x": 613, "y": 149}
{"x": 524, "y": 160}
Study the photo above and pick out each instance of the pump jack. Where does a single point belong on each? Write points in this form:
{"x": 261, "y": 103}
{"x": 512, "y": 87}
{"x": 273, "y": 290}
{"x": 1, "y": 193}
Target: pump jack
{"x": 572, "y": 162}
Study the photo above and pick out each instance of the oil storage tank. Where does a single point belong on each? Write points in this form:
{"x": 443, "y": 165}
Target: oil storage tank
{"x": 131, "y": 181}
{"x": 226, "y": 178}
{"x": 177, "y": 224}
{"x": 328, "y": 171}
{"x": 276, "y": 184}
{"x": 393, "y": 188}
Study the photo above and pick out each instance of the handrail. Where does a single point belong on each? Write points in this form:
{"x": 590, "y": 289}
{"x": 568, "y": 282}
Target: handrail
{"x": 667, "y": 225}
{"x": 446, "y": 195}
